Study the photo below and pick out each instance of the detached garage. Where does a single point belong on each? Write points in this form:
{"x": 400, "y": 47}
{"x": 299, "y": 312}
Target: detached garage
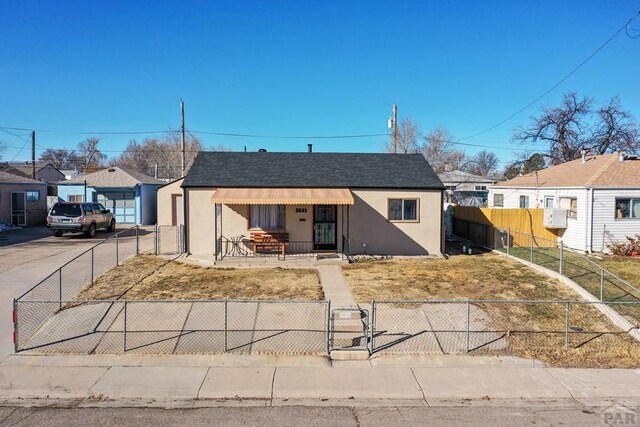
{"x": 130, "y": 195}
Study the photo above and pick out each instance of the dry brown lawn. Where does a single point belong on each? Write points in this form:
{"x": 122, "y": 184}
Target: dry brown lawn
{"x": 534, "y": 330}
{"x": 151, "y": 277}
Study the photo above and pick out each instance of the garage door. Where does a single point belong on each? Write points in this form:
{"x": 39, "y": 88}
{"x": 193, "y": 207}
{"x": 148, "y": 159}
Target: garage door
{"x": 123, "y": 206}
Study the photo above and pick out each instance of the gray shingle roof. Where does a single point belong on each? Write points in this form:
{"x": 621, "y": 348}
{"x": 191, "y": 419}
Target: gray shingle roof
{"x": 461, "y": 176}
{"x": 113, "y": 177}
{"x": 9, "y": 178}
{"x": 305, "y": 170}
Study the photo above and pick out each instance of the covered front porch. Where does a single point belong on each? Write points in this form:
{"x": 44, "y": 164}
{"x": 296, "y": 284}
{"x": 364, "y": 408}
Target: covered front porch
{"x": 281, "y": 222}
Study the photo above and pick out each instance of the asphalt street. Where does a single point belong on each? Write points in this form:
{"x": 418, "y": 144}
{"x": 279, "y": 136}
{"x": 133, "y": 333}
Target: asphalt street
{"x": 314, "y": 416}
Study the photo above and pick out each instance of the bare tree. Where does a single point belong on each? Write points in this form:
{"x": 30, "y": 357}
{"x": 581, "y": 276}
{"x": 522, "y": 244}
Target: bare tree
{"x": 61, "y": 158}
{"x": 439, "y": 152}
{"x": 166, "y": 152}
{"x": 615, "y": 129}
{"x": 562, "y": 128}
{"x": 409, "y": 138}
{"x": 89, "y": 154}
{"x": 483, "y": 163}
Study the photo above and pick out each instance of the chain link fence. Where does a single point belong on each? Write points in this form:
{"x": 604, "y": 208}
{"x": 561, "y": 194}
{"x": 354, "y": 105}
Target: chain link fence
{"x": 497, "y": 326}
{"x": 598, "y": 281}
{"x": 173, "y": 327}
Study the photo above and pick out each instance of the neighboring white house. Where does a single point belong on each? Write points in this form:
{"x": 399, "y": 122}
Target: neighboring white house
{"x": 70, "y": 174}
{"x": 465, "y": 188}
{"x": 600, "y": 196}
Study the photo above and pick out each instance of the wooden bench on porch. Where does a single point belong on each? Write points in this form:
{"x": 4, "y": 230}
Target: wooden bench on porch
{"x": 269, "y": 241}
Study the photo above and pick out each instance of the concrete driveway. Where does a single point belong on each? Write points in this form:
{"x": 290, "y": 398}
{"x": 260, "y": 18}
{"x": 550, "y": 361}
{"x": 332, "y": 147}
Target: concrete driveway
{"x": 26, "y": 257}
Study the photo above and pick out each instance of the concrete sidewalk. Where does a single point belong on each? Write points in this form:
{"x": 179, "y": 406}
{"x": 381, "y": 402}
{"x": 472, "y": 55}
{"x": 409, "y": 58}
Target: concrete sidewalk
{"x": 197, "y": 381}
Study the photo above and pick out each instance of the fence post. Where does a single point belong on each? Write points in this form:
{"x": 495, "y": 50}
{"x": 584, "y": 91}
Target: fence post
{"x": 225, "y": 326}
{"x": 15, "y": 326}
{"x": 125, "y": 325}
{"x": 561, "y": 267}
{"x": 92, "y": 267}
{"x": 566, "y": 326}
{"x": 60, "y": 287}
{"x": 137, "y": 240}
{"x": 371, "y": 326}
{"x": 468, "y": 322}
{"x": 508, "y": 240}
{"x": 117, "y": 254}
{"x": 328, "y": 326}
{"x": 155, "y": 240}
{"x": 601, "y": 284}
{"x": 531, "y": 252}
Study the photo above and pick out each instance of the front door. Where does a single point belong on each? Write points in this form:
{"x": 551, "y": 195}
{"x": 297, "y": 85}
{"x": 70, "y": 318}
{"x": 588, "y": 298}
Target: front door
{"x": 18, "y": 209}
{"x": 325, "y": 227}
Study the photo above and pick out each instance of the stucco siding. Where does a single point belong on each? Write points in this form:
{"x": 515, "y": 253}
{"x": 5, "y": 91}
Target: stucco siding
{"x": 368, "y": 224}
{"x": 604, "y": 218}
{"x": 200, "y": 221}
{"x": 165, "y": 203}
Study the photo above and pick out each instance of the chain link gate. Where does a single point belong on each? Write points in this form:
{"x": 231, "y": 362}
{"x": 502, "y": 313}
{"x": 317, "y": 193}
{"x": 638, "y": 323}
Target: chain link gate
{"x": 349, "y": 329}
{"x": 169, "y": 239}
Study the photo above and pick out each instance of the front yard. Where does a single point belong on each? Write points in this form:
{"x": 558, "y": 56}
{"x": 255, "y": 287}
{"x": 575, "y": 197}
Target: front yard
{"x": 148, "y": 277}
{"x": 533, "y": 330}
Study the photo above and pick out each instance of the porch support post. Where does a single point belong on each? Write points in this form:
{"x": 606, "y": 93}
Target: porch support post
{"x": 215, "y": 231}
{"x": 348, "y": 238}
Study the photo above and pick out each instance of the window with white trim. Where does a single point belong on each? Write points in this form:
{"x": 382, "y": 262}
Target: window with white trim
{"x": 627, "y": 208}
{"x": 403, "y": 209}
{"x": 524, "y": 202}
{"x": 498, "y": 200}
{"x": 571, "y": 206}
{"x": 76, "y": 198}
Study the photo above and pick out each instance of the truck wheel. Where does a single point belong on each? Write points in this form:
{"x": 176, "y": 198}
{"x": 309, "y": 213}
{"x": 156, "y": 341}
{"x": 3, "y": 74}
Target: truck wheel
{"x": 57, "y": 233}
{"x": 112, "y": 226}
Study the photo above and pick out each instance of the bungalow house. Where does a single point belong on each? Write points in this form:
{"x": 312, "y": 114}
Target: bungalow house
{"x": 465, "y": 188}
{"x": 23, "y": 201}
{"x": 238, "y": 203}
{"x": 596, "y": 197}
{"x": 44, "y": 171}
{"x": 129, "y": 194}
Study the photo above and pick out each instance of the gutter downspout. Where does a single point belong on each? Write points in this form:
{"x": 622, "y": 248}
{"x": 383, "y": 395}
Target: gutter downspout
{"x": 587, "y": 220}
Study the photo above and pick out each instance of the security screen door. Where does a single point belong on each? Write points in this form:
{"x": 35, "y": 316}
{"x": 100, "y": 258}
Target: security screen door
{"x": 325, "y": 227}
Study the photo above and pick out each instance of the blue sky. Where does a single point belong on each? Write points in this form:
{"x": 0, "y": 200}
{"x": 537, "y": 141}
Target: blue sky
{"x": 301, "y": 68}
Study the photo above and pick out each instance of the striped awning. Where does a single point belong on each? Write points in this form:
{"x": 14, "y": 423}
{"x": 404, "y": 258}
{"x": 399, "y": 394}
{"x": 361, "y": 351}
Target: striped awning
{"x": 282, "y": 196}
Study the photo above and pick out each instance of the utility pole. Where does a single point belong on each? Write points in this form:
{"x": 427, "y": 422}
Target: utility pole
{"x": 395, "y": 128}
{"x": 33, "y": 154}
{"x": 183, "y": 167}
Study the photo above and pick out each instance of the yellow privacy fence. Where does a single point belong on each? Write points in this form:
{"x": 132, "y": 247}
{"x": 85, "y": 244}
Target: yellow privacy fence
{"x": 529, "y": 221}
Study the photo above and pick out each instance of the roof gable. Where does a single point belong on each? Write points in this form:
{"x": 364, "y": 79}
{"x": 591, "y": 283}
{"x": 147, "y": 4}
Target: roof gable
{"x": 9, "y": 178}
{"x": 598, "y": 171}
{"x": 113, "y": 177}
{"x": 307, "y": 170}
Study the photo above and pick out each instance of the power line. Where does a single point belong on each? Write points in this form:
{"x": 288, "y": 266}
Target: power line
{"x": 562, "y": 80}
{"x": 243, "y": 135}
{"x": 84, "y": 132}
